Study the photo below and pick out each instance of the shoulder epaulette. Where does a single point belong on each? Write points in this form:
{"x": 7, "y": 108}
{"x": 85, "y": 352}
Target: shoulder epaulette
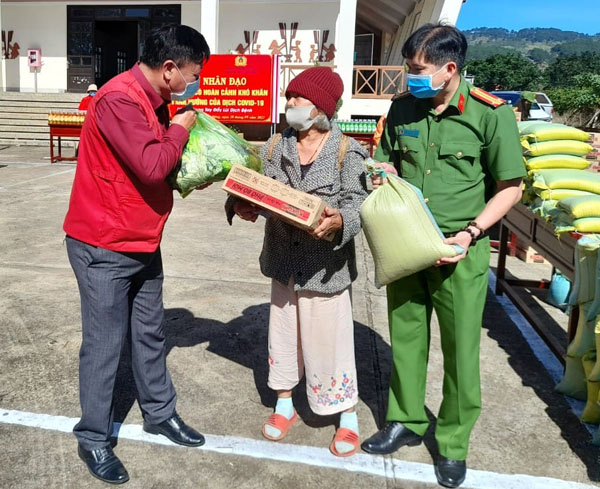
{"x": 400, "y": 95}
{"x": 486, "y": 97}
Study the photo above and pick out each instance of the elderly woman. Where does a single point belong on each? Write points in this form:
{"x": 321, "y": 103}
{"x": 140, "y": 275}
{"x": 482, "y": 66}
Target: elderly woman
{"x": 311, "y": 330}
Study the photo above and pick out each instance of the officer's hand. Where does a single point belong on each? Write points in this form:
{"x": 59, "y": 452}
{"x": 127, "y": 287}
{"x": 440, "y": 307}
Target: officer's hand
{"x": 462, "y": 239}
{"x": 331, "y": 221}
{"x": 185, "y": 118}
{"x": 245, "y": 210}
{"x": 377, "y": 180}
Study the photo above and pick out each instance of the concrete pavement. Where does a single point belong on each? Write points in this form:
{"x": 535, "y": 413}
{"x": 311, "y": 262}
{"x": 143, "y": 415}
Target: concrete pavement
{"x": 216, "y": 305}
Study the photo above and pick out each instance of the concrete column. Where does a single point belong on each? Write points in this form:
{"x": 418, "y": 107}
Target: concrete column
{"x": 209, "y": 24}
{"x": 446, "y": 11}
{"x": 2, "y": 62}
{"x": 344, "y": 57}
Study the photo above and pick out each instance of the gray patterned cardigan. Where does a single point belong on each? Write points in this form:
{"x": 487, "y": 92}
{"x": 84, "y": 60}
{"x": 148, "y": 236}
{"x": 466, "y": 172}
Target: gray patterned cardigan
{"x": 315, "y": 265}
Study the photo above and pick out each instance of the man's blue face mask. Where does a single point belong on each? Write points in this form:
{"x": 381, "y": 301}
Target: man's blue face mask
{"x": 190, "y": 89}
{"x": 421, "y": 86}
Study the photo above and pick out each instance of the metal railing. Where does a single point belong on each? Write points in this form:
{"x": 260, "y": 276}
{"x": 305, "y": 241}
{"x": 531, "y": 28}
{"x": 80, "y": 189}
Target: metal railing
{"x": 378, "y": 82}
{"x": 291, "y": 70}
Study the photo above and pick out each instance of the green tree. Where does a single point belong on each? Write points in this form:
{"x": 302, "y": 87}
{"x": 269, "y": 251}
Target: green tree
{"x": 486, "y": 50}
{"x": 581, "y": 101}
{"x": 548, "y": 34}
{"x": 580, "y": 46}
{"x": 540, "y": 56}
{"x": 562, "y": 71}
{"x": 505, "y": 72}
{"x": 489, "y": 32}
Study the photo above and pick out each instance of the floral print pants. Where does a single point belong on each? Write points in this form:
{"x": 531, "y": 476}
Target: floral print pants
{"x": 313, "y": 334}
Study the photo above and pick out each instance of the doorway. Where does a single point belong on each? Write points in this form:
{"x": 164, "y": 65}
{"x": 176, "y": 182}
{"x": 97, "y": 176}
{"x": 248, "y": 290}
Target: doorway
{"x": 116, "y": 46}
{"x": 105, "y": 40}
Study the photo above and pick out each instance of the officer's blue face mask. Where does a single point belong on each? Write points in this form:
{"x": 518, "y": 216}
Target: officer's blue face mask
{"x": 421, "y": 86}
{"x": 190, "y": 89}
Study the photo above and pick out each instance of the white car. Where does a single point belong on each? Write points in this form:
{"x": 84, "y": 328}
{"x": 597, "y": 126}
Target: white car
{"x": 537, "y": 113}
{"x": 545, "y": 103}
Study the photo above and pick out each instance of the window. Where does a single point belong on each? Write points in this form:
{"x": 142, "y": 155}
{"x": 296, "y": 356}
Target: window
{"x": 137, "y": 12}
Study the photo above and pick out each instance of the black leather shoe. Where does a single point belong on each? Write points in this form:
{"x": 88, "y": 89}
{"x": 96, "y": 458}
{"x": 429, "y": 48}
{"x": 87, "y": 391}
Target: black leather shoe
{"x": 177, "y": 431}
{"x": 449, "y": 472}
{"x": 104, "y": 464}
{"x": 390, "y": 438}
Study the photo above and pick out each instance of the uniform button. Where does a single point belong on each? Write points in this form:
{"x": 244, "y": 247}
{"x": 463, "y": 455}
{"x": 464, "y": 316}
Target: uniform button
{"x": 459, "y": 154}
{"x": 296, "y": 243}
{"x": 426, "y": 200}
{"x": 428, "y": 172}
{"x": 431, "y": 145}
{"x": 299, "y": 274}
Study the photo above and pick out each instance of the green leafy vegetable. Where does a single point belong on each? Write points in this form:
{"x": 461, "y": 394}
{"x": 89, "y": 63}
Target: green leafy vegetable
{"x": 209, "y": 154}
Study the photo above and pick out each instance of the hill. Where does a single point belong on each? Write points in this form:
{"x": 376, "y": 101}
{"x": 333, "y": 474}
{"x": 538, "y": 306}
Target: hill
{"x": 541, "y": 45}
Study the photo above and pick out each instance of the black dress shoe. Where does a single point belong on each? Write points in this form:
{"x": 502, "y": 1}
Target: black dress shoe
{"x": 391, "y": 437}
{"x": 104, "y": 464}
{"x": 449, "y": 472}
{"x": 177, "y": 431}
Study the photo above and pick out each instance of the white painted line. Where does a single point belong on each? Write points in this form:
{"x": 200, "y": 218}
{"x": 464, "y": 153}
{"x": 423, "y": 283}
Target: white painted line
{"x": 318, "y": 457}
{"x": 36, "y": 179}
{"x": 539, "y": 348}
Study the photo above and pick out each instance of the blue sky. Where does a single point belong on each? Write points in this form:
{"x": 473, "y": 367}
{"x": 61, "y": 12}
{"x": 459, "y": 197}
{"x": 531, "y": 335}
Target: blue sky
{"x": 575, "y": 15}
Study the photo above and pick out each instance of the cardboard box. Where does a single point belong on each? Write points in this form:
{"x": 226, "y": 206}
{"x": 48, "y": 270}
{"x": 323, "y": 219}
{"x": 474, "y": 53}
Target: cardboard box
{"x": 295, "y": 207}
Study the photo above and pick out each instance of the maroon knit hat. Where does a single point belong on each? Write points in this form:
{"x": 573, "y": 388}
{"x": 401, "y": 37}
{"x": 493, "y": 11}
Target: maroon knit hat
{"x": 320, "y": 85}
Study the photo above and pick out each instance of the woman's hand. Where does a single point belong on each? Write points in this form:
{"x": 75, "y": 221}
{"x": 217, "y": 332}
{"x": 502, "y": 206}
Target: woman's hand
{"x": 377, "y": 180}
{"x": 331, "y": 221}
{"x": 245, "y": 210}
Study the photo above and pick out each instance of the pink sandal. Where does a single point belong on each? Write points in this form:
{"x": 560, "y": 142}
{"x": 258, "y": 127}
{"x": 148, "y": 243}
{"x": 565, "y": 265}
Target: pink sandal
{"x": 347, "y": 436}
{"x": 281, "y": 423}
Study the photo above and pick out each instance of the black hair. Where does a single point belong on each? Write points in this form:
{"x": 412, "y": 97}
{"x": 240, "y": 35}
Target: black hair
{"x": 439, "y": 44}
{"x": 179, "y": 43}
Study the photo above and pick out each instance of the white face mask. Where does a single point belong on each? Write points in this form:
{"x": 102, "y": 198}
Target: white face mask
{"x": 299, "y": 117}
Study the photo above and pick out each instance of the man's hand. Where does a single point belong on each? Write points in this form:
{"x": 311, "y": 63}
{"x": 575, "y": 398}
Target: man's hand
{"x": 185, "y": 117}
{"x": 378, "y": 180}
{"x": 331, "y": 221}
{"x": 245, "y": 210}
{"x": 462, "y": 239}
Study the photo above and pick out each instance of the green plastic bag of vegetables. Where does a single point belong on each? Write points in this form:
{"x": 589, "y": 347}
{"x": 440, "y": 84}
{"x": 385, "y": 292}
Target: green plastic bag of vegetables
{"x": 209, "y": 154}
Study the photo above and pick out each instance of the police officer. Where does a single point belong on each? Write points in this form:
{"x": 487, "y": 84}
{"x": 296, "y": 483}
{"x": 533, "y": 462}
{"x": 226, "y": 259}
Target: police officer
{"x": 460, "y": 146}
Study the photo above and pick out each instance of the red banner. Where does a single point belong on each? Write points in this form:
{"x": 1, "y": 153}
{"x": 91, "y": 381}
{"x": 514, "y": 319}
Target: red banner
{"x": 237, "y": 89}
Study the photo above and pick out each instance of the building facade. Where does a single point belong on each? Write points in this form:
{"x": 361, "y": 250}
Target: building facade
{"x": 86, "y": 41}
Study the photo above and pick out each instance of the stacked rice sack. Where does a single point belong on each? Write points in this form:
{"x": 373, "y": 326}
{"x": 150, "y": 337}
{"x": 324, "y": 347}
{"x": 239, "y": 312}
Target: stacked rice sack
{"x": 558, "y": 187}
{"x": 582, "y": 370}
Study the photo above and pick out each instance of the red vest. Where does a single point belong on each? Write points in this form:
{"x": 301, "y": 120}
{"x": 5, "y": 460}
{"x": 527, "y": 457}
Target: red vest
{"x": 109, "y": 206}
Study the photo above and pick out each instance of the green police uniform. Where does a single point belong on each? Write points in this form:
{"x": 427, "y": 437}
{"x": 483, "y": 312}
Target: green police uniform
{"x": 455, "y": 158}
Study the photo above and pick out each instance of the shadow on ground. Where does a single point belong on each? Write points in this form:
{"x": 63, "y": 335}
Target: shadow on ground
{"x": 244, "y": 341}
{"x": 500, "y": 328}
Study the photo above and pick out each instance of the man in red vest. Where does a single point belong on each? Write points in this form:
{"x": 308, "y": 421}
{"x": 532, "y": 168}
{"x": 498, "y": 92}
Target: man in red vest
{"x": 118, "y": 208}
